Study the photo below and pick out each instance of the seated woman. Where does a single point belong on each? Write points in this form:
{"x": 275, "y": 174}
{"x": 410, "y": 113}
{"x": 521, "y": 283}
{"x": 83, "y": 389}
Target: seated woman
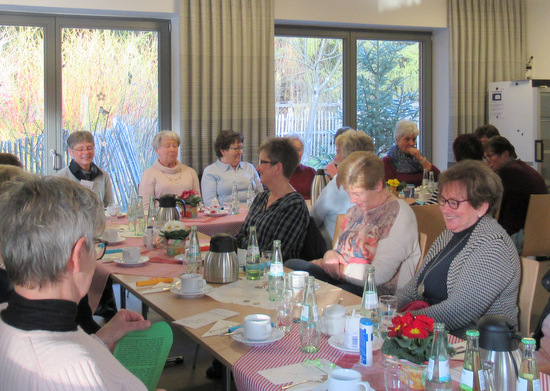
{"x": 82, "y": 169}
{"x": 37, "y": 325}
{"x": 279, "y": 213}
{"x": 302, "y": 178}
{"x": 218, "y": 178}
{"x": 404, "y": 161}
{"x": 472, "y": 269}
{"x": 167, "y": 175}
{"x": 380, "y": 230}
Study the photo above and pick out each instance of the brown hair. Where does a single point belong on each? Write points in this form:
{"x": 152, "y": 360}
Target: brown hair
{"x": 362, "y": 169}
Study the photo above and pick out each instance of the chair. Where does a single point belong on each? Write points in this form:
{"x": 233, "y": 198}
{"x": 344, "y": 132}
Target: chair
{"x": 314, "y": 246}
{"x": 527, "y": 286}
{"x": 422, "y": 240}
{"x": 536, "y": 232}
{"x": 337, "y": 229}
{"x": 430, "y": 222}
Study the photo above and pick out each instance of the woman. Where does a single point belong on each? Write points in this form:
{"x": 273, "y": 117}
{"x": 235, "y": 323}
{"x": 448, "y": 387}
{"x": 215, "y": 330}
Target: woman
{"x": 519, "y": 181}
{"x": 404, "y": 161}
{"x": 82, "y": 169}
{"x": 302, "y": 178}
{"x": 279, "y": 212}
{"x": 167, "y": 175}
{"x": 472, "y": 269}
{"x": 332, "y": 168}
{"x": 37, "y": 326}
{"x": 218, "y": 178}
{"x": 380, "y": 230}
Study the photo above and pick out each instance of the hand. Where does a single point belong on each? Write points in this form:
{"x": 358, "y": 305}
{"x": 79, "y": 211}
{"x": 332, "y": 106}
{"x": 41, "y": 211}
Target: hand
{"x": 122, "y": 323}
{"x": 333, "y": 264}
{"x": 415, "y": 153}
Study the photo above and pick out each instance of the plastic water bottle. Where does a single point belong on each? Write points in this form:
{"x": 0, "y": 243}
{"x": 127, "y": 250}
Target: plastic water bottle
{"x": 276, "y": 279}
{"x": 369, "y": 303}
{"x": 310, "y": 330}
{"x": 253, "y": 261}
{"x": 528, "y": 378}
{"x": 439, "y": 374}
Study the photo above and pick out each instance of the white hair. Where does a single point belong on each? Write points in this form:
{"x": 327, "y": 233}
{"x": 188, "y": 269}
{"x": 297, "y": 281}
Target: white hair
{"x": 405, "y": 127}
{"x": 165, "y": 134}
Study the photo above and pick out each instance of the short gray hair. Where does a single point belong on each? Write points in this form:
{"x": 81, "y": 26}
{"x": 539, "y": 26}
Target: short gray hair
{"x": 354, "y": 140}
{"x": 78, "y": 137}
{"x": 41, "y": 219}
{"x": 405, "y": 127}
{"x": 165, "y": 134}
{"x": 12, "y": 173}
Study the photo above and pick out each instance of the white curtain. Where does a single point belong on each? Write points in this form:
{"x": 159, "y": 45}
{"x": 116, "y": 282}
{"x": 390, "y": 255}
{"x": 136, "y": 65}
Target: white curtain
{"x": 227, "y": 75}
{"x": 488, "y": 43}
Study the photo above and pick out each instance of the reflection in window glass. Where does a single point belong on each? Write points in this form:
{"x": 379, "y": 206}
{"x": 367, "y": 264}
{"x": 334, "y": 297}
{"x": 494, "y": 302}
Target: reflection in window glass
{"x": 110, "y": 88}
{"x": 22, "y": 94}
{"x": 308, "y": 93}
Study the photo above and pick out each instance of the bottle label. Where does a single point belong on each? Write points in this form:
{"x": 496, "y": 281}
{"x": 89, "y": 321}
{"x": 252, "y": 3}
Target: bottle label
{"x": 523, "y": 384}
{"x": 444, "y": 372}
{"x": 276, "y": 269}
{"x": 370, "y": 299}
{"x": 467, "y": 380}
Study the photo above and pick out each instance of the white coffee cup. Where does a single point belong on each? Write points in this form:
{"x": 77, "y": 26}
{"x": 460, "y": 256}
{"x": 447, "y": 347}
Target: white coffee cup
{"x": 257, "y": 327}
{"x": 110, "y": 235}
{"x": 192, "y": 283}
{"x": 131, "y": 254}
{"x": 342, "y": 379}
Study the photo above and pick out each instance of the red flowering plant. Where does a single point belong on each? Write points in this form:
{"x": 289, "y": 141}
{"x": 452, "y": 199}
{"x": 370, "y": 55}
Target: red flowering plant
{"x": 191, "y": 198}
{"x": 410, "y": 338}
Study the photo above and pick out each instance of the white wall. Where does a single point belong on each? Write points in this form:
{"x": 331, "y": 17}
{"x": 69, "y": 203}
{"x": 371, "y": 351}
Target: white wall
{"x": 538, "y": 29}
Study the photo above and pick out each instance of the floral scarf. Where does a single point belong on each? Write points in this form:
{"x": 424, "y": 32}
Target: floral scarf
{"x": 404, "y": 164}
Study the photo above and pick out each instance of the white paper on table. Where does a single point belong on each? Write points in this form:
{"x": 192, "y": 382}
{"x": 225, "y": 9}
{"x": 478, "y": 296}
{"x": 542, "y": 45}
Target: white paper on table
{"x": 205, "y": 318}
{"x": 293, "y": 373}
{"x": 220, "y": 327}
{"x": 244, "y": 292}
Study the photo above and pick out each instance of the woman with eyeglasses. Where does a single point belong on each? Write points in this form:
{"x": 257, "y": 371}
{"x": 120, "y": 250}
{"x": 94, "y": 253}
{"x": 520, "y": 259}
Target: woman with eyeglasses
{"x": 279, "y": 212}
{"x": 82, "y": 169}
{"x": 218, "y": 178}
{"x": 473, "y": 268}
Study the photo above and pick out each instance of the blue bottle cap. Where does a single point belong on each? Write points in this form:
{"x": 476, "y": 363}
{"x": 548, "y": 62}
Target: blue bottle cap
{"x": 366, "y": 321}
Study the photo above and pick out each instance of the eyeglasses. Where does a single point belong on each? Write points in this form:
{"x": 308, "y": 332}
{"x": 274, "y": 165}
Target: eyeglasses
{"x": 453, "y": 204}
{"x": 235, "y": 149}
{"x": 87, "y": 149}
{"x": 488, "y": 156}
{"x": 100, "y": 246}
{"x": 267, "y": 162}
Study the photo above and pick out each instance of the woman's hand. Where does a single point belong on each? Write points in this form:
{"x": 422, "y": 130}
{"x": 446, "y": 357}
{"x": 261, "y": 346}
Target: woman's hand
{"x": 415, "y": 153}
{"x": 334, "y": 264}
{"x": 122, "y": 323}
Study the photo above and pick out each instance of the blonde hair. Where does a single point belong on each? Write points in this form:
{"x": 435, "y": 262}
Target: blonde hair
{"x": 360, "y": 169}
{"x": 354, "y": 140}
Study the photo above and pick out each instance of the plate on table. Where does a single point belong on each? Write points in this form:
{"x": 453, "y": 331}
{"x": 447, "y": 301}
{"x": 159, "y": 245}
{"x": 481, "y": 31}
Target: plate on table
{"x": 276, "y": 335}
{"x": 119, "y": 239}
{"x": 217, "y": 214}
{"x": 142, "y": 259}
{"x": 337, "y": 341}
{"x": 190, "y": 295}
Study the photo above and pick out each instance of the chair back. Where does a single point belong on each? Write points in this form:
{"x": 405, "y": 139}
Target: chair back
{"x": 422, "y": 240}
{"x": 314, "y": 245}
{"x": 337, "y": 229}
{"x": 430, "y": 222}
{"x": 527, "y": 286}
{"x": 536, "y": 232}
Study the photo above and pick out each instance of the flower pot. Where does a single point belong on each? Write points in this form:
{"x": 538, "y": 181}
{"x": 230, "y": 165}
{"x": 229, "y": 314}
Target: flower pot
{"x": 192, "y": 212}
{"x": 416, "y": 372}
{"x": 175, "y": 248}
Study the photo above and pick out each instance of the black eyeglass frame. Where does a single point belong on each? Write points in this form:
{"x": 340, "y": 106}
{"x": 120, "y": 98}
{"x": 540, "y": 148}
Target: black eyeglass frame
{"x": 102, "y": 245}
{"x": 453, "y": 204}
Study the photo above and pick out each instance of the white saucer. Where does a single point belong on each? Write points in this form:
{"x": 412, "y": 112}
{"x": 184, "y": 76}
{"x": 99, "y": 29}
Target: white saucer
{"x": 143, "y": 259}
{"x": 337, "y": 341}
{"x": 276, "y": 335}
{"x": 217, "y": 214}
{"x": 192, "y": 295}
{"x": 118, "y": 240}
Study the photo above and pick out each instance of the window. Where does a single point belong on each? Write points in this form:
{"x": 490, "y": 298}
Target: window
{"x": 107, "y": 76}
{"x": 369, "y": 80}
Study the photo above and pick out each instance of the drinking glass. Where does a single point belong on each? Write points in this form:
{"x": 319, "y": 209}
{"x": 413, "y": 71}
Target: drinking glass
{"x": 396, "y": 379}
{"x": 283, "y": 308}
{"x": 266, "y": 261}
{"x": 113, "y": 212}
{"x": 387, "y": 308}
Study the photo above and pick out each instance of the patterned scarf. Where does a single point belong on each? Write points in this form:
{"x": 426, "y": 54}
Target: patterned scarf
{"x": 404, "y": 164}
{"x": 80, "y": 174}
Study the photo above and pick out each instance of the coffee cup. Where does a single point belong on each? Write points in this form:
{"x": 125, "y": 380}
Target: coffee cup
{"x": 333, "y": 321}
{"x": 192, "y": 283}
{"x": 257, "y": 327}
{"x": 131, "y": 254}
{"x": 110, "y": 235}
{"x": 341, "y": 379}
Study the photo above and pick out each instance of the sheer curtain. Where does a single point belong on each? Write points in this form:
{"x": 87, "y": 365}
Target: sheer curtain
{"x": 488, "y": 43}
{"x": 227, "y": 76}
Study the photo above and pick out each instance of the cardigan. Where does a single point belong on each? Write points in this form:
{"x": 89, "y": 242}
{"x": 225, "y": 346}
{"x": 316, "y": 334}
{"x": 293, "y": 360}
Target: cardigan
{"x": 483, "y": 279}
{"x": 100, "y": 183}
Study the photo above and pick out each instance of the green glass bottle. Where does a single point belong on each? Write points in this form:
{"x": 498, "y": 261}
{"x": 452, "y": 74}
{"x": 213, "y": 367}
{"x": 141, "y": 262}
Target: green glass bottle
{"x": 472, "y": 376}
{"x": 439, "y": 374}
{"x": 528, "y": 379}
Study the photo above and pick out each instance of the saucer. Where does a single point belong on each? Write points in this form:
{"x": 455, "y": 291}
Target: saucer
{"x": 276, "y": 335}
{"x": 192, "y": 295}
{"x": 337, "y": 341}
{"x": 119, "y": 239}
{"x": 142, "y": 259}
{"x": 217, "y": 214}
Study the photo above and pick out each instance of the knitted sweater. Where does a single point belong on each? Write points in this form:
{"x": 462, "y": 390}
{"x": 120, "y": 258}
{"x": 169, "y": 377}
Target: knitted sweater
{"x": 158, "y": 180}
{"x": 483, "y": 279}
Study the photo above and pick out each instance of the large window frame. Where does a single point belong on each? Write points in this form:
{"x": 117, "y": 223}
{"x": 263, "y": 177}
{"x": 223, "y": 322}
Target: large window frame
{"x": 52, "y": 25}
{"x": 350, "y": 37}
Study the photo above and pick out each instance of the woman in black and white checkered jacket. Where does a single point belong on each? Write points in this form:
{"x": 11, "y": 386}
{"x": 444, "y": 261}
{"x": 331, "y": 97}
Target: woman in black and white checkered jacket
{"x": 473, "y": 268}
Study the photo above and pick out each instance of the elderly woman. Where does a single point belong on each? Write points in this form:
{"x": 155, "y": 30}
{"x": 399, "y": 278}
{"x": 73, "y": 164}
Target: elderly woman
{"x": 82, "y": 169}
{"x": 380, "y": 230}
{"x": 279, "y": 212}
{"x": 218, "y": 178}
{"x": 167, "y": 175}
{"x": 61, "y": 219}
{"x": 404, "y": 161}
{"x": 472, "y": 269}
{"x": 332, "y": 168}
{"x": 485, "y": 132}
{"x": 302, "y": 178}
{"x": 334, "y": 200}
{"x": 519, "y": 181}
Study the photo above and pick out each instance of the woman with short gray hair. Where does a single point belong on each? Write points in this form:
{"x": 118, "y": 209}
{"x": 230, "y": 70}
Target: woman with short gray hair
{"x": 83, "y": 170}
{"x": 167, "y": 175}
{"x": 404, "y": 161}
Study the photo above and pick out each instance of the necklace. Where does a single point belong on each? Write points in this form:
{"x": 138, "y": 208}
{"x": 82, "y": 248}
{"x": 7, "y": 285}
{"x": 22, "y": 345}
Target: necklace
{"x": 170, "y": 177}
{"x": 433, "y": 265}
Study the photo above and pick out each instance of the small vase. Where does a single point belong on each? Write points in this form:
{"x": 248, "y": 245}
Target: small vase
{"x": 416, "y": 372}
{"x": 175, "y": 248}
{"x": 192, "y": 212}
